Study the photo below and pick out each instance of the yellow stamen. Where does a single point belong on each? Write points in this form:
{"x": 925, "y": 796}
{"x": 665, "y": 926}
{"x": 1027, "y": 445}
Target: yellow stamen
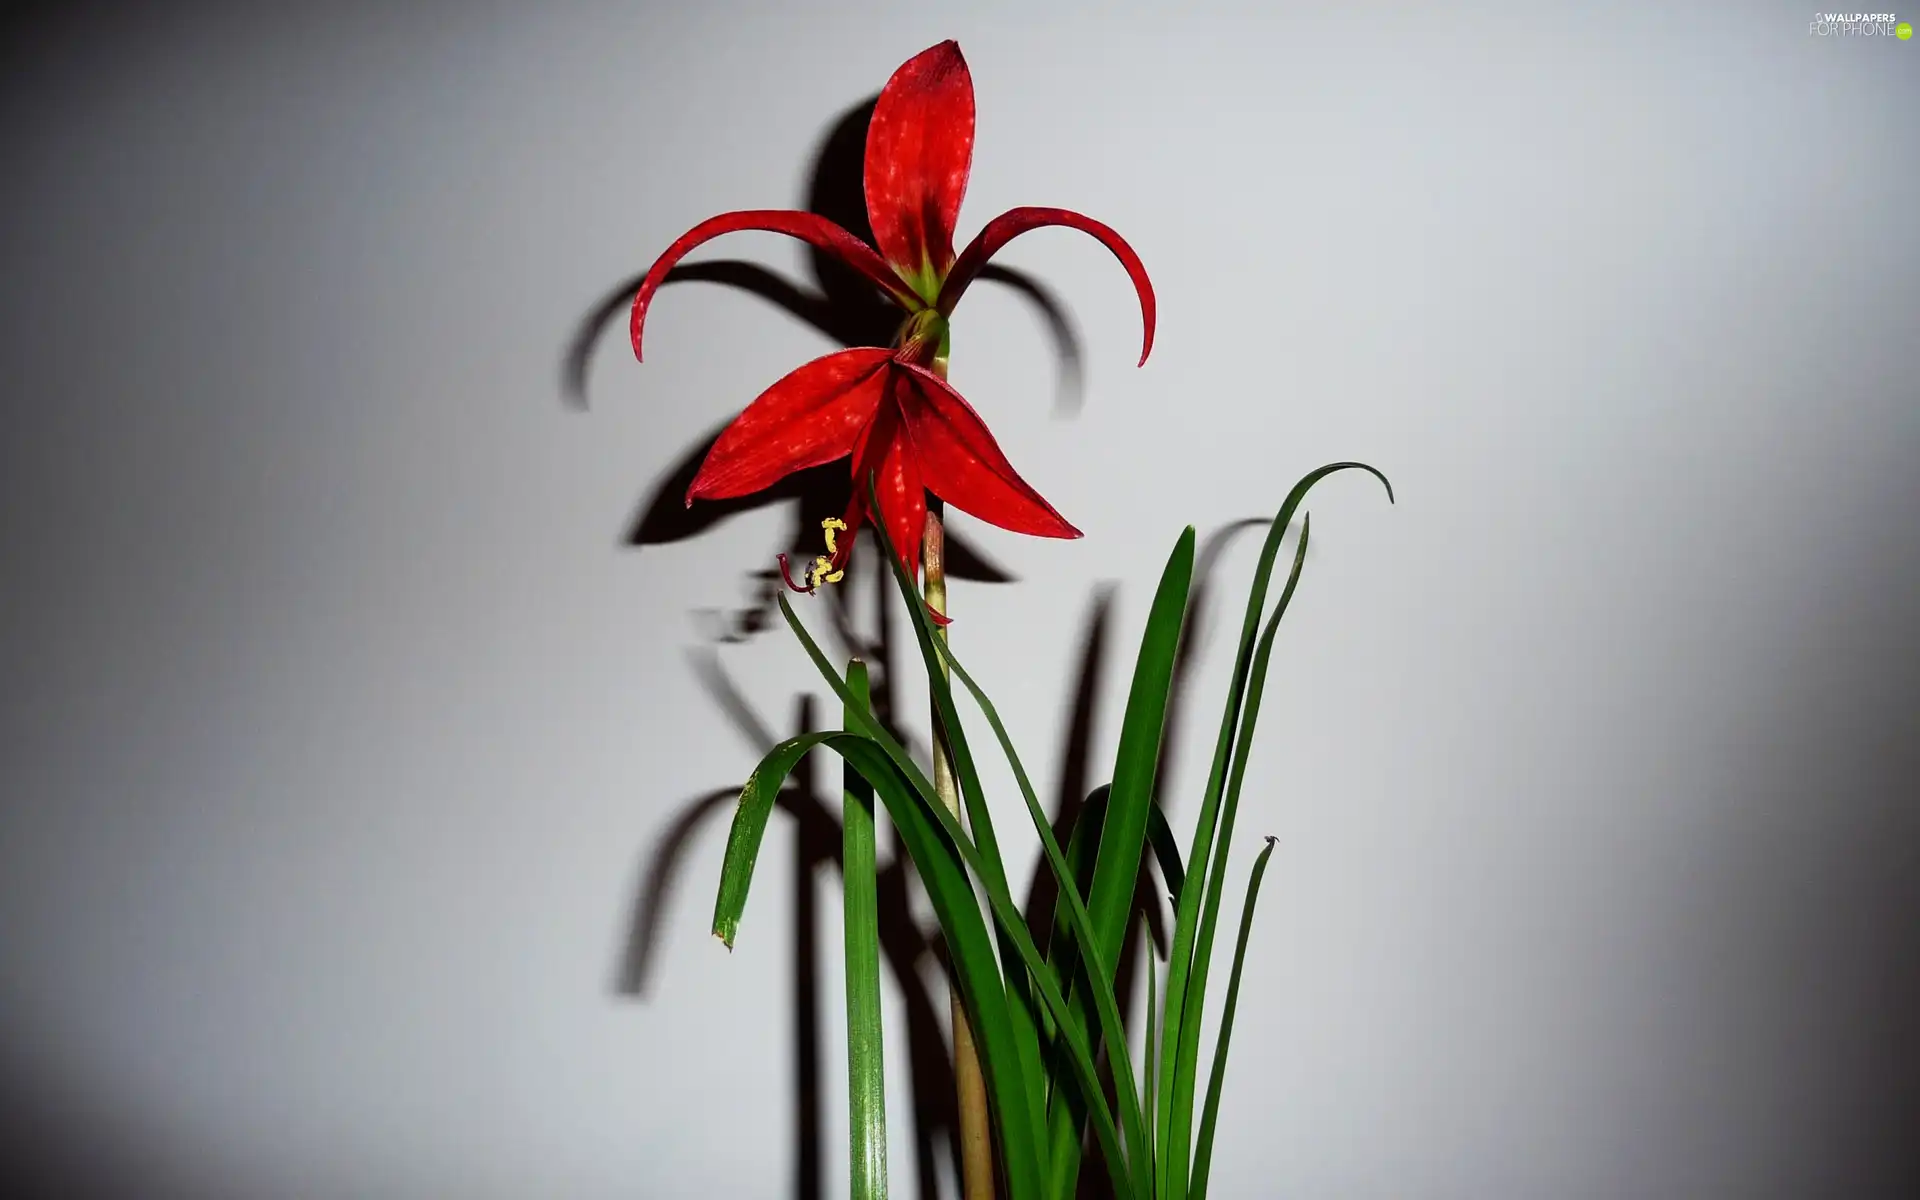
{"x": 822, "y": 570}
{"x": 829, "y": 526}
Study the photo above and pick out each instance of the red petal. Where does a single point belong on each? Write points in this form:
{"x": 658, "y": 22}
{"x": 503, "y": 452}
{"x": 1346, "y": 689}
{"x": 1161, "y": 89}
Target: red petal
{"x": 808, "y": 227}
{"x": 1016, "y": 221}
{"x": 919, "y": 149}
{"x": 812, "y": 416}
{"x": 962, "y": 464}
{"x": 888, "y": 454}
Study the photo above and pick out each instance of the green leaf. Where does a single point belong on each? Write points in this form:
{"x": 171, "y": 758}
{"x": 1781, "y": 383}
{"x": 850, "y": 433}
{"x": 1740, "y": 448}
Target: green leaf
{"x": 1006, "y": 915}
{"x": 1193, "y": 1011}
{"x": 1165, "y": 850}
{"x": 938, "y": 859}
{"x": 1063, "y": 946}
{"x": 1123, "y": 836}
{"x": 1203, "y": 1154}
{"x": 1080, "y": 923}
{"x": 1153, "y": 1001}
{"x": 1122, "y": 840}
{"x": 749, "y": 828}
{"x": 938, "y": 657}
{"x": 866, "y": 1058}
{"x": 1083, "y": 839}
{"x": 1173, "y": 1122}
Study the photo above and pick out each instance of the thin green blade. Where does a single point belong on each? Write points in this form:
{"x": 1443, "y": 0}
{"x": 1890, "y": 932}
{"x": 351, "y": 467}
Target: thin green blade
{"x": 1203, "y": 1153}
{"x": 1166, "y": 851}
{"x": 748, "y": 830}
{"x": 1006, "y": 915}
{"x": 1122, "y": 840}
{"x": 1171, "y": 1170}
{"x": 1080, "y": 924}
{"x": 1116, "y": 866}
{"x": 866, "y": 1056}
{"x": 976, "y": 968}
{"x": 1185, "y": 1063}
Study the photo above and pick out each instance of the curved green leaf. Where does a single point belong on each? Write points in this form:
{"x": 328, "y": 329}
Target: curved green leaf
{"x": 1170, "y": 1175}
{"x": 749, "y": 828}
{"x": 1203, "y": 1154}
{"x": 1185, "y": 1062}
{"x": 1116, "y": 867}
{"x": 1006, "y": 915}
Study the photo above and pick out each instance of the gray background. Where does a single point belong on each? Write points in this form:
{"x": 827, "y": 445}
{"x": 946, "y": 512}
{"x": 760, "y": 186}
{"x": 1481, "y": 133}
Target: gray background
{"x": 338, "y": 724}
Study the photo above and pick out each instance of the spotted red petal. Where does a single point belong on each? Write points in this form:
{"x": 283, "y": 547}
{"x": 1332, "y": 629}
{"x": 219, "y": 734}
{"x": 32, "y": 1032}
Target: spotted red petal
{"x": 919, "y": 150}
{"x": 885, "y": 455}
{"x": 962, "y": 464}
{"x": 1014, "y": 222}
{"x": 814, "y": 415}
{"x": 808, "y": 227}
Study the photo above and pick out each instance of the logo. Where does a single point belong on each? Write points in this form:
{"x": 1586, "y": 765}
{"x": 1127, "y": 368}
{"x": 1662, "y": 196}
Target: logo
{"x": 1828, "y": 24}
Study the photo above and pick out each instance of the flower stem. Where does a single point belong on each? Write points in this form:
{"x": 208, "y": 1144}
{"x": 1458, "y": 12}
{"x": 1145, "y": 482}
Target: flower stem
{"x": 976, "y": 1145}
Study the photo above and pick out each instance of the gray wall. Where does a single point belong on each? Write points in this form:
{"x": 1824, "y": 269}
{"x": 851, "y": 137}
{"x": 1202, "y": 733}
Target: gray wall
{"x": 339, "y": 726}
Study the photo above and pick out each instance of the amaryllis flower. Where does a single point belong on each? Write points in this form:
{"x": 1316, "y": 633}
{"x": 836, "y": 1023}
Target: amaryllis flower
{"x": 890, "y": 410}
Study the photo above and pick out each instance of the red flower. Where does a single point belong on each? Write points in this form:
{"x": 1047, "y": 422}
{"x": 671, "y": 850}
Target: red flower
{"x": 890, "y": 410}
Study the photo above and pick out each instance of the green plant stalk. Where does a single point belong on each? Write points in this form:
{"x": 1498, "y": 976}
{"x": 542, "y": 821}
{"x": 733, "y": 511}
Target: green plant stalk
{"x": 1203, "y": 1154}
{"x": 975, "y": 1127}
{"x": 866, "y": 1058}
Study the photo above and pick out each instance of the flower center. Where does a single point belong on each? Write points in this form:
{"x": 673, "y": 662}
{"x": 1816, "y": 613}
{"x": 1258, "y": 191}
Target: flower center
{"x": 923, "y": 338}
{"x": 822, "y": 570}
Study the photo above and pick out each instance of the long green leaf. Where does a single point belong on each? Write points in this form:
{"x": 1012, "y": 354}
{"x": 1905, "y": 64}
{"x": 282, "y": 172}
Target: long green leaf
{"x": 1116, "y": 867}
{"x": 1203, "y": 1153}
{"x": 937, "y": 659}
{"x": 1166, "y": 851}
{"x": 938, "y": 860}
{"x": 1146, "y": 1050}
{"x": 1083, "y": 839}
{"x": 1122, "y": 840}
{"x": 1170, "y": 1173}
{"x": 1193, "y": 1011}
{"x": 1080, "y": 922}
{"x": 937, "y": 656}
{"x": 938, "y": 857}
{"x": 748, "y": 830}
{"x": 1005, "y": 913}
{"x": 866, "y": 1057}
